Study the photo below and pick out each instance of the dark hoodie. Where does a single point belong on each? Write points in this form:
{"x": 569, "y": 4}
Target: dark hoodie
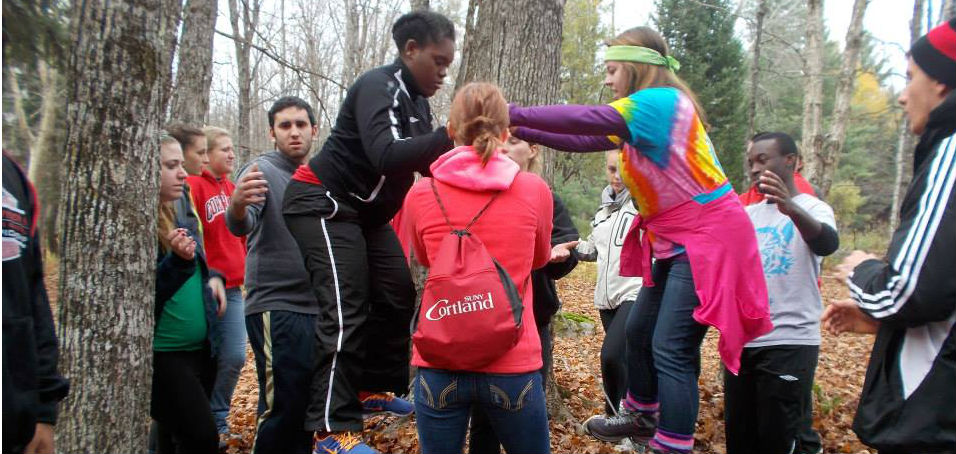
{"x": 908, "y": 399}
{"x": 32, "y": 386}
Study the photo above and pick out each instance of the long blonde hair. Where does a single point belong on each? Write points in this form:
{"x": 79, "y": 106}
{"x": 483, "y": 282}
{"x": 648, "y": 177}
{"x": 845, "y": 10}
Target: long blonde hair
{"x": 166, "y": 214}
{"x": 645, "y": 75}
{"x": 479, "y": 117}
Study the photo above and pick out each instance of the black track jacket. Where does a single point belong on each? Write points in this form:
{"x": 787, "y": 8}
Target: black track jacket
{"x": 908, "y": 403}
{"x": 383, "y": 133}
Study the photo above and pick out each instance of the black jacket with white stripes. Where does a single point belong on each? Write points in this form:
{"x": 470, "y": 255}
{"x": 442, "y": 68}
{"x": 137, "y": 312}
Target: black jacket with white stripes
{"x": 382, "y": 134}
{"x": 909, "y": 397}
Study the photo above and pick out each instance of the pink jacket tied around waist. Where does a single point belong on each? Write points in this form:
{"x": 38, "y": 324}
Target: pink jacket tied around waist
{"x": 724, "y": 260}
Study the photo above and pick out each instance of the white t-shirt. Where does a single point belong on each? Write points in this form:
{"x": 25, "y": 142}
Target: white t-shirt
{"x": 792, "y": 271}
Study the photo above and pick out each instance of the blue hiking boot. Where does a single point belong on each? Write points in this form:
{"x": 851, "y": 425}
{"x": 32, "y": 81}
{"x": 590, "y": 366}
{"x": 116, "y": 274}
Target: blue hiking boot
{"x": 340, "y": 443}
{"x": 379, "y": 403}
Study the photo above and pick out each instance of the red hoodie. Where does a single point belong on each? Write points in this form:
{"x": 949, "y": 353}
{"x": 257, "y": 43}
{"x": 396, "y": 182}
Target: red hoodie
{"x": 516, "y": 230}
{"x": 224, "y": 252}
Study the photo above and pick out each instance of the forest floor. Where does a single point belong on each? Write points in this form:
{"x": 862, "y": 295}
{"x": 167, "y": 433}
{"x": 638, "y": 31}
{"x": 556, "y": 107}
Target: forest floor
{"x": 839, "y": 379}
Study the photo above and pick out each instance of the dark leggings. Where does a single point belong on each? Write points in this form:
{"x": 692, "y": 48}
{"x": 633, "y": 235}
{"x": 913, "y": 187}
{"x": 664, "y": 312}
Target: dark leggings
{"x": 614, "y": 355}
{"x": 182, "y": 383}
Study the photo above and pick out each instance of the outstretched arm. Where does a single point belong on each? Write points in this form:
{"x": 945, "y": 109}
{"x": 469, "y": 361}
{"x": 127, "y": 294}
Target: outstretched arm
{"x": 600, "y": 120}
{"x": 567, "y": 142}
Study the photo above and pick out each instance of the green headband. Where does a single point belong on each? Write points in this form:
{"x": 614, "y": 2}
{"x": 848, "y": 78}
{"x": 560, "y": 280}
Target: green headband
{"x": 640, "y": 54}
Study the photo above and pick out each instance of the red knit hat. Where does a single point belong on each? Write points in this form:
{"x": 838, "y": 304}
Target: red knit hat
{"x": 935, "y": 53}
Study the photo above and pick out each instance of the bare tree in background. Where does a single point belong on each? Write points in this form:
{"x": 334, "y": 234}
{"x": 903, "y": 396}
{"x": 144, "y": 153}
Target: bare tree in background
{"x": 190, "y": 99}
{"x": 244, "y": 19}
{"x": 948, "y": 11}
{"x": 755, "y": 68}
{"x": 822, "y": 152}
{"x": 117, "y": 94}
{"x": 904, "y": 141}
{"x": 813, "y": 85}
{"x": 828, "y": 156}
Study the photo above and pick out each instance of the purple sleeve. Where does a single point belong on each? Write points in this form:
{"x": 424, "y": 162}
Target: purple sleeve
{"x": 565, "y": 142}
{"x": 601, "y": 120}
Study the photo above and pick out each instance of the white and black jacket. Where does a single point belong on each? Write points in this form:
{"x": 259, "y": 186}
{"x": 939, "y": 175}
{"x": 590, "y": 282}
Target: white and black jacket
{"x": 609, "y": 227}
{"x": 382, "y": 135}
{"x": 909, "y": 397}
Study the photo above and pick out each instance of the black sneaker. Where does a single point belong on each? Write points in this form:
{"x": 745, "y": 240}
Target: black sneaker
{"x": 637, "y": 426}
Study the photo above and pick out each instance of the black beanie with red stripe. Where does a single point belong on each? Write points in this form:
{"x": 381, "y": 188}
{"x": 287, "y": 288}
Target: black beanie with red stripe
{"x": 935, "y": 53}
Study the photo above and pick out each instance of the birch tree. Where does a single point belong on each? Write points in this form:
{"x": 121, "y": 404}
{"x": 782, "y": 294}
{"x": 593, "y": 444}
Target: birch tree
{"x": 904, "y": 141}
{"x": 824, "y": 164}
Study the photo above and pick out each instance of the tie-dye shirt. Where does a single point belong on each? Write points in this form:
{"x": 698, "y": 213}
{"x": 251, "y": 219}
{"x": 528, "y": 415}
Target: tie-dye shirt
{"x": 666, "y": 158}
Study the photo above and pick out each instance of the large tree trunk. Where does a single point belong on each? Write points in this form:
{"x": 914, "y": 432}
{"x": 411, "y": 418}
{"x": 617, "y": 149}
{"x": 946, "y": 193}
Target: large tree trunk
{"x": 812, "y": 140}
{"x": 190, "y": 99}
{"x": 249, "y": 15}
{"x": 118, "y": 77}
{"x": 755, "y": 71}
{"x": 905, "y": 140}
{"x": 829, "y": 155}
{"x": 501, "y": 33}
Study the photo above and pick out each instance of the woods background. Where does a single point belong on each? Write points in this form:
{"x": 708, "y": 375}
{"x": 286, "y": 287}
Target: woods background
{"x": 87, "y": 87}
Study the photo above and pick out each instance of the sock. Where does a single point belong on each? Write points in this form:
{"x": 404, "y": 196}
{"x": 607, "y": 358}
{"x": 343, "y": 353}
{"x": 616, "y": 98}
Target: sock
{"x": 664, "y": 440}
{"x": 644, "y": 406}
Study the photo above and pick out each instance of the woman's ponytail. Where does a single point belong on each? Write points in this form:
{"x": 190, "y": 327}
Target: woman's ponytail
{"x": 479, "y": 117}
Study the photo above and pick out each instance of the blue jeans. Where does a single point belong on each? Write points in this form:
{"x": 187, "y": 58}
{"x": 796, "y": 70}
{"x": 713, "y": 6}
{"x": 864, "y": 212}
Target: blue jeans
{"x": 663, "y": 346}
{"x": 514, "y": 404}
{"x": 231, "y": 338}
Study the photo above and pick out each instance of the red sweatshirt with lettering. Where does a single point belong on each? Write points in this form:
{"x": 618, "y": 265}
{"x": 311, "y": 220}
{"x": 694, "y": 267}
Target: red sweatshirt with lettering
{"x": 225, "y": 252}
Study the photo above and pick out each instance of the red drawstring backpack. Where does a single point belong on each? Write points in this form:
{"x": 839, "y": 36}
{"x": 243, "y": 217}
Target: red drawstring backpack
{"x": 470, "y": 312}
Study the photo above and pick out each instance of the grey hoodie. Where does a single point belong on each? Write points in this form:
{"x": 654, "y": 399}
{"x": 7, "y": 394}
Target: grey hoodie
{"x": 609, "y": 227}
{"x": 276, "y": 278}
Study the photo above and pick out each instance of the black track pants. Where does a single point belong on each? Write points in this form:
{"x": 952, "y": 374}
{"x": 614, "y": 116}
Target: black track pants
{"x": 366, "y": 300}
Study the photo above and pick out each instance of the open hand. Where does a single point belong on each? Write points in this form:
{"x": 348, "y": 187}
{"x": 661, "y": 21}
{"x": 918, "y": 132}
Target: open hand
{"x": 844, "y": 316}
{"x": 182, "y": 244}
{"x": 250, "y": 189}
{"x": 562, "y": 252}
{"x": 776, "y": 191}
{"x": 42, "y": 442}
{"x": 219, "y": 292}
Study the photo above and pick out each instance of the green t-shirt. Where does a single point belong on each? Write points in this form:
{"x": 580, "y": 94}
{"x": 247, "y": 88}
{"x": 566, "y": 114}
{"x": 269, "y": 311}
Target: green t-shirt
{"x": 182, "y": 325}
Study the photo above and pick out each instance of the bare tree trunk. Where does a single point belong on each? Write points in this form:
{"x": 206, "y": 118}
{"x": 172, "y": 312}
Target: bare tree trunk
{"x": 905, "y": 140}
{"x": 755, "y": 69}
{"x": 351, "y": 55}
{"x": 498, "y": 34}
{"x": 508, "y": 31}
{"x": 948, "y": 11}
{"x": 829, "y": 156}
{"x": 419, "y": 4}
{"x": 812, "y": 140}
{"x": 45, "y": 155}
{"x": 249, "y": 15}
{"x": 190, "y": 99}
{"x": 118, "y": 77}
